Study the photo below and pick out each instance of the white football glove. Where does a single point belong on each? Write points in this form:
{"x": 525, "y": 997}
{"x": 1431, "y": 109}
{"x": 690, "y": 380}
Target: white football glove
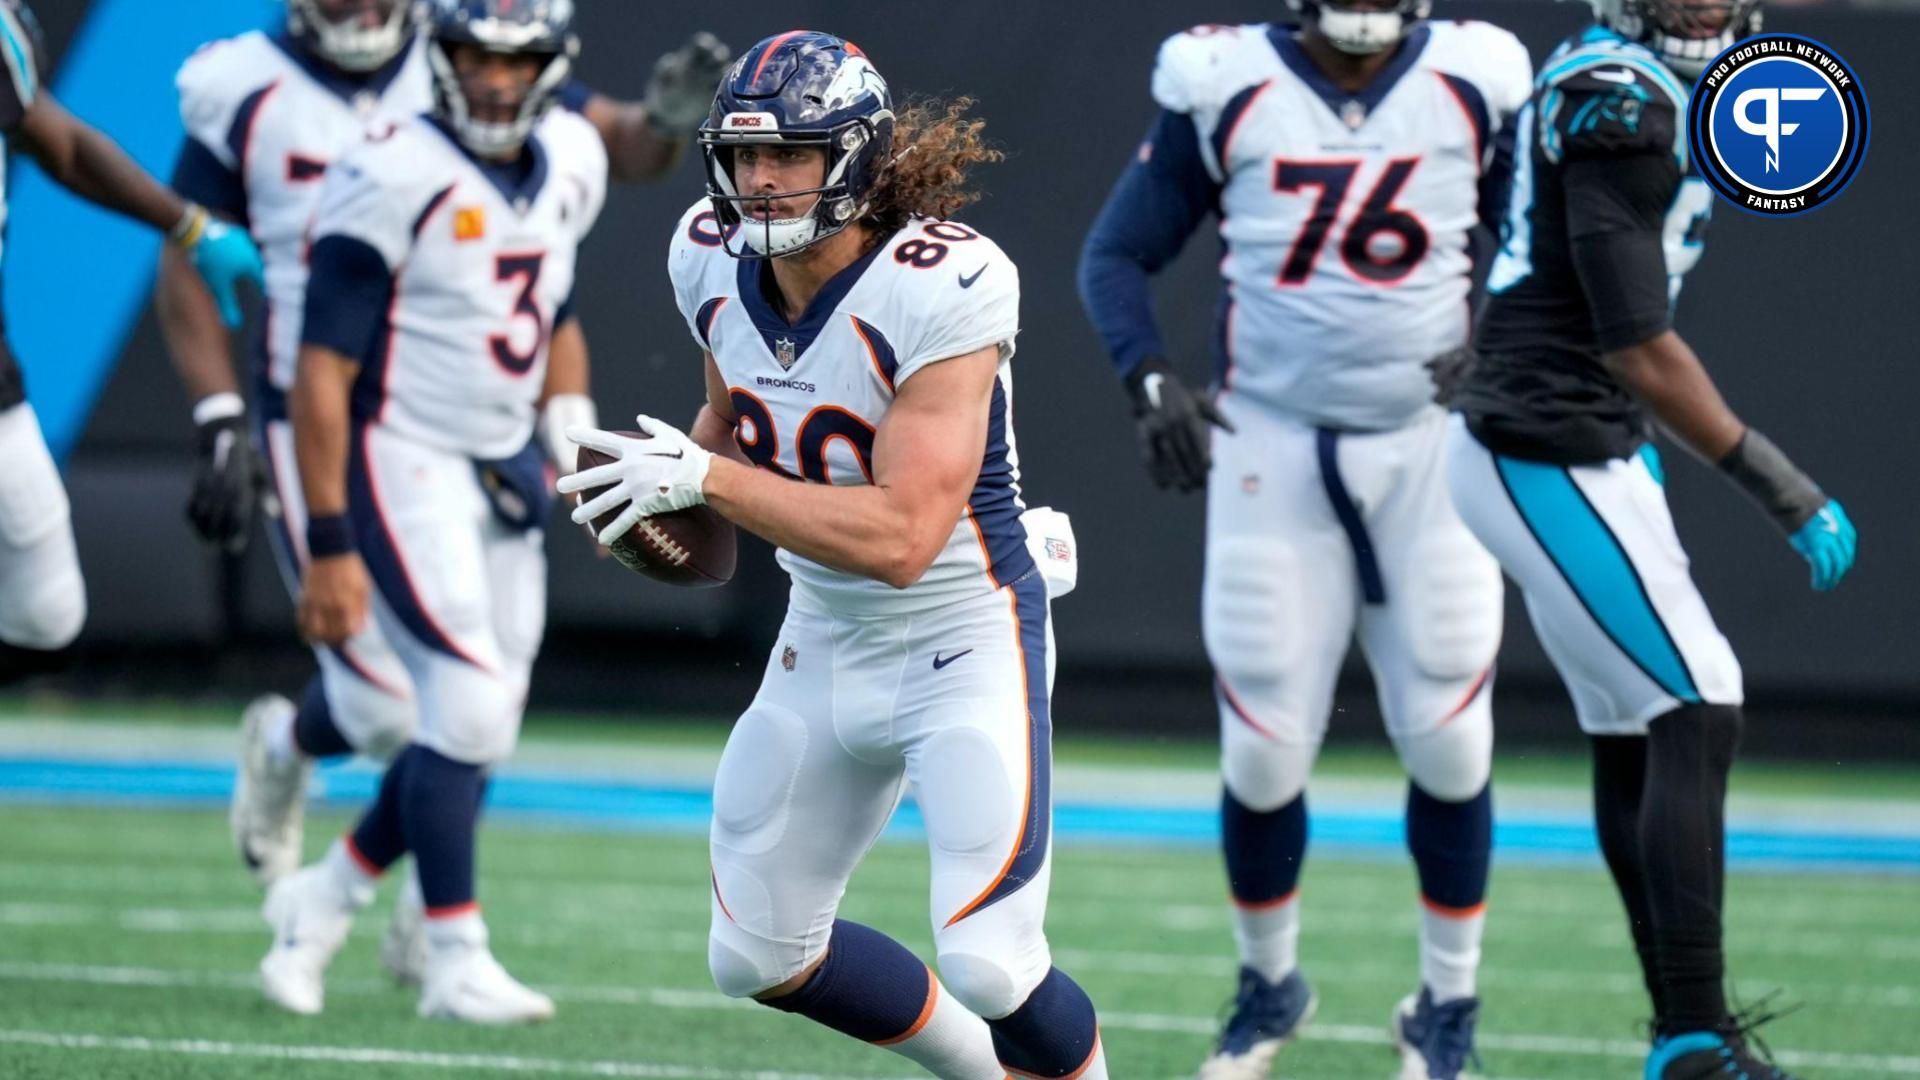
{"x": 656, "y": 475}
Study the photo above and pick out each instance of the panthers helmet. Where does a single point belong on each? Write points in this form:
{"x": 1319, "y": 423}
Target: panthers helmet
{"x": 541, "y": 28}
{"x": 1677, "y": 29}
{"x": 1361, "y": 32}
{"x": 800, "y": 88}
{"x": 343, "y": 42}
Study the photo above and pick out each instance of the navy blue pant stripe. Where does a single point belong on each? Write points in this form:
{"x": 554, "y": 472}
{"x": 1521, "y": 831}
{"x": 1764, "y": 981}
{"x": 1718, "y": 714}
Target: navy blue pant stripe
{"x": 1373, "y": 587}
{"x": 1029, "y": 599}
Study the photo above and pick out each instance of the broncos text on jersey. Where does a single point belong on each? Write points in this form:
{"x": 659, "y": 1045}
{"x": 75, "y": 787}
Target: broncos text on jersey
{"x": 810, "y": 395}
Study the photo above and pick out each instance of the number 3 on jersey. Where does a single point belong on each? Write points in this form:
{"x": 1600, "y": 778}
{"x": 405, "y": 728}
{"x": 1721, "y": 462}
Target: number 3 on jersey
{"x": 1382, "y": 244}
{"x": 524, "y": 268}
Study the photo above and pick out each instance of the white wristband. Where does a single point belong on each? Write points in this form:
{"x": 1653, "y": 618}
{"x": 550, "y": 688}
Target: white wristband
{"x": 565, "y": 411}
{"x": 218, "y": 406}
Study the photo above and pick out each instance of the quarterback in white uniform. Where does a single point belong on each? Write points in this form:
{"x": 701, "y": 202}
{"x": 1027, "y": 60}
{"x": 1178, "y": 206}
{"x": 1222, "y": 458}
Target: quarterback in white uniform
{"x": 1349, "y": 160}
{"x": 858, "y": 416}
{"x": 442, "y": 274}
{"x": 265, "y": 115}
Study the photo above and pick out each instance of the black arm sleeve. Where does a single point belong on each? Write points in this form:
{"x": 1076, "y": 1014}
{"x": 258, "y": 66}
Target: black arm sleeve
{"x": 1616, "y": 213}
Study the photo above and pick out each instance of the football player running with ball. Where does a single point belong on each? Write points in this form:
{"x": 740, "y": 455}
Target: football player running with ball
{"x": 1348, "y": 159}
{"x": 43, "y": 598}
{"x": 441, "y": 294}
{"x": 266, "y": 114}
{"x": 858, "y": 416}
{"x": 1551, "y": 467}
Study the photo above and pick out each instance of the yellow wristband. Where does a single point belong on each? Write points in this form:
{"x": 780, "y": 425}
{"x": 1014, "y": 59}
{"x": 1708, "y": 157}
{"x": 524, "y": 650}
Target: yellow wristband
{"x": 192, "y": 226}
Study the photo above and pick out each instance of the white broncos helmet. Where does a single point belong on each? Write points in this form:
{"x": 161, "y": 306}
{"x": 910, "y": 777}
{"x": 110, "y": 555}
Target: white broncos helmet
{"x": 1681, "y": 31}
{"x": 1361, "y": 31}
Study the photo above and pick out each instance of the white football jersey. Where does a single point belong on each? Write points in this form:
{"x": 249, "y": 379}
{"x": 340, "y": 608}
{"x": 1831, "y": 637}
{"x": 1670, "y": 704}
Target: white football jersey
{"x": 480, "y": 275}
{"x": 810, "y": 395}
{"x": 274, "y": 117}
{"x": 1345, "y": 216}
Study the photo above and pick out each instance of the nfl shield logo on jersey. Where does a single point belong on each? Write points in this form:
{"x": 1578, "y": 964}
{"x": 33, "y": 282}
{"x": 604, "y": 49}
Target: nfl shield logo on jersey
{"x": 783, "y": 351}
{"x": 789, "y": 657}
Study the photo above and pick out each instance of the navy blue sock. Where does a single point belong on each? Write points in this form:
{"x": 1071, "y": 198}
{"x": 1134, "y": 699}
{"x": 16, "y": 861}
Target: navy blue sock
{"x": 314, "y": 731}
{"x": 440, "y": 805}
{"x": 381, "y": 837}
{"x": 1265, "y": 850}
{"x": 1452, "y": 846}
{"x": 869, "y": 986}
{"x": 1053, "y": 1034}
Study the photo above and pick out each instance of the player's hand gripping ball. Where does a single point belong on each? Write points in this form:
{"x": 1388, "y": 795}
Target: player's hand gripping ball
{"x": 641, "y": 491}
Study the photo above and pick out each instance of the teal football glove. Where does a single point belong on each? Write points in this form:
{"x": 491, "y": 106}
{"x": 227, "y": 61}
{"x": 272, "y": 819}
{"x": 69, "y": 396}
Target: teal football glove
{"x": 224, "y": 255}
{"x": 1827, "y": 542}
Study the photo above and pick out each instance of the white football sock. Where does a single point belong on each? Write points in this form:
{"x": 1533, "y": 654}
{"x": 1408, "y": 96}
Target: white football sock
{"x": 351, "y": 882}
{"x": 1450, "y": 951}
{"x": 281, "y": 749}
{"x": 1269, "y": 937}
{"x": 457, "y": 932}
{"x": 949, "y": 1041}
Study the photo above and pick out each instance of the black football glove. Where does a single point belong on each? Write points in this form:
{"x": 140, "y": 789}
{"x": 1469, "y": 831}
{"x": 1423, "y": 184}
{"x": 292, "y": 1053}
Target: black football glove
{"x": 1447, "y": 371}
{"x": 227, "y": 481}
{"x": 680, "y": 93}
{"x": 1172, "y": 423}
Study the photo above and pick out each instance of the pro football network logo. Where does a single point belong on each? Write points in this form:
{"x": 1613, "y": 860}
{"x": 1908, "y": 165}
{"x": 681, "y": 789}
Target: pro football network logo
{"x": 1779, "y": 125}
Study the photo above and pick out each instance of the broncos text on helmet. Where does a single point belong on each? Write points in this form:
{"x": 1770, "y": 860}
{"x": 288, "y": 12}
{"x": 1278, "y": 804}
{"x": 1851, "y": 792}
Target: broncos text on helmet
{"x": 1361, "y": 30}
{"x": 1687, "y": 34}
{"x": 800, "y": 88}
{"x": 338, "y": 30}
{"x": 539, "y": 28}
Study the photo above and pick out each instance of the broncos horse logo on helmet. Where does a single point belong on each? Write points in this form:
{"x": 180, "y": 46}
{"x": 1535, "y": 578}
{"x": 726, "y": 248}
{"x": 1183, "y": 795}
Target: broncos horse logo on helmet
{"x": 338, "y": 30}
{"x": 1361, "y": 27}
{"x": 538, "y": 28}
{"x": 1687, "y": 34}
{"x": 800, "y": 88}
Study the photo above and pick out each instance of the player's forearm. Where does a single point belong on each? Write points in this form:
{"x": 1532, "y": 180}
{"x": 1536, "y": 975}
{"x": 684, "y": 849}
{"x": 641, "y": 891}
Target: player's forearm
{"x": 190, "y": 323}
{"x": 322, "y": 427}
{"x": 711, "y": 432}
{"x": 860, "y": 529}
{"x": 1666, "y": 376}
{"x": 635, "y": 150}
{"x": 94, "y": 167}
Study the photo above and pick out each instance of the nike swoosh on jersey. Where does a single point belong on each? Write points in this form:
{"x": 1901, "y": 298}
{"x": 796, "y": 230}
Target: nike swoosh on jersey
{"x": 1615, "y": 75}
{"x": 967, "y": 282}
{"x": 939, "y": 662}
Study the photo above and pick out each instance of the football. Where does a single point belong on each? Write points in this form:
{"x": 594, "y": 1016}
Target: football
{"x": 693, "y": 548}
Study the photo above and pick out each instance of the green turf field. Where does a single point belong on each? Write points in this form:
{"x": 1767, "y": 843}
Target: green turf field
{"x": 128, "y": 938}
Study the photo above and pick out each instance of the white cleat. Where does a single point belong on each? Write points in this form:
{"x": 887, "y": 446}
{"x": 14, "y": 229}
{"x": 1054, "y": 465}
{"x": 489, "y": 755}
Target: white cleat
{"x": 469, "y": 985}
{"x": 404, "y": 951}
{"x": 310, "y": 919}
{"x": 268, "y": 811}
{"x": 1254, "y": 1063}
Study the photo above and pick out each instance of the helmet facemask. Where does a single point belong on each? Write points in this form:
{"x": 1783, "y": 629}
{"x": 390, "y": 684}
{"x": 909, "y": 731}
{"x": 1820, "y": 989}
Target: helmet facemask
{"x": 495, "y": 138}
{"x": 344, "y": 41}
{"x": 1687, "y": 34}
{"x": 1362, "y": 31}
{"x": 835, "y": 204}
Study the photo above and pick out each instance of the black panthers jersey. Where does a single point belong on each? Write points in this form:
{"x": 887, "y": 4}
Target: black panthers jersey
{"x": 23, "y": 57}
{"x": 1605, "y": 216}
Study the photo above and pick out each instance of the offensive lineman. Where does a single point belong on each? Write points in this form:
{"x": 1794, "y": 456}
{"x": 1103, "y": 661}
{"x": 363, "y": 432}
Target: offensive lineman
{"x": 858, "y": 340}
{"x": 43, "y": 599}
{"x": 1348, "y": 159}
{"x": 1552, "y": 469}
{"x": 442, "y": 274}
{"x": 265, "y": 115}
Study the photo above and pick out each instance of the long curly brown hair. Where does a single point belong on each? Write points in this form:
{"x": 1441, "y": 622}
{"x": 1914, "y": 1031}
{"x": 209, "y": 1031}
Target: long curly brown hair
{"x": 935, "y": 145}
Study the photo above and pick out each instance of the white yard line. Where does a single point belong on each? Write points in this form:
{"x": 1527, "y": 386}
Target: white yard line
{"x": 380, "y": 1055}
{"x": 246, "y": 922}
{"x": 670, "y": 998}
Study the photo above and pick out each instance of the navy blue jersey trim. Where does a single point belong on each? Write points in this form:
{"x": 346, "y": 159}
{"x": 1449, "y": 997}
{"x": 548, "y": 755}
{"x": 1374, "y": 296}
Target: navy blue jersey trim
{"x": 1297, "y": 61}
{"x": 773, "y": 326}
